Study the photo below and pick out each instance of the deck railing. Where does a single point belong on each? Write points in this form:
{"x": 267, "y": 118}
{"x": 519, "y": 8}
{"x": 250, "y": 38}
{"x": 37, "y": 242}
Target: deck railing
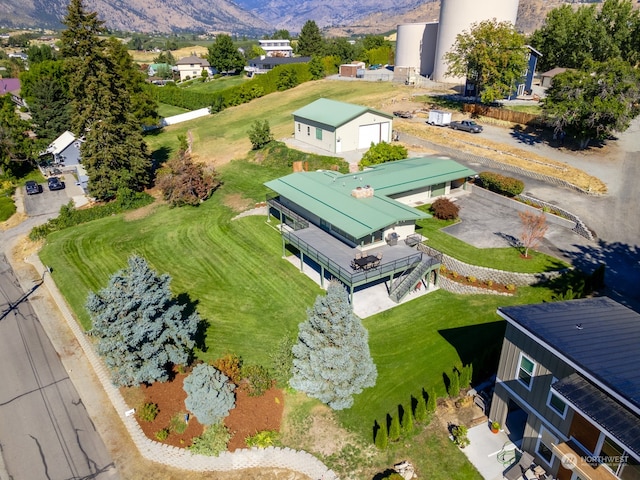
{"x": 347, "y": 275}
{"x": 298, "y": 222}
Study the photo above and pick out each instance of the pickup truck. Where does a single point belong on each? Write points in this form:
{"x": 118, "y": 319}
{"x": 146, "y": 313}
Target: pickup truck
{"x": 467, "y": 126}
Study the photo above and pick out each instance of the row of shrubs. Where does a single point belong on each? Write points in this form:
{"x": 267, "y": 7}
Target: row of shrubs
{"x": 507, "y": 186}
{"x": 453, "y": 275}
{"x": 70, "y": 216}
{"x": 420, "y": 410}
{"x": 280, "y": 78}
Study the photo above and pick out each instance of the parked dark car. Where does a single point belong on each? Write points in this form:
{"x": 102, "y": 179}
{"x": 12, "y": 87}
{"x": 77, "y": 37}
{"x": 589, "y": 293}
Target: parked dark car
{"x": 467, "y": 126}
{"x": 32, "y": 187}
{"x": 55, "y": 183}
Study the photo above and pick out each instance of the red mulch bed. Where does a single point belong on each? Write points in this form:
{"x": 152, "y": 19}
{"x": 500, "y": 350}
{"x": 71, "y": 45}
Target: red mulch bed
{"x": 250, "y": 415}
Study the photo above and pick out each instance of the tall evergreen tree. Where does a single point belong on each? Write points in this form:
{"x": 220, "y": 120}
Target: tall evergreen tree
{"x": 382, "y": 438}
{"x": 15, "y": 146}
{"x": 310, "y": 41}
{"x": 331, "y": 359}
{"x": 421, "y": 408}
{"x": 101, "y": 92}
{"x": 141, "y": 329}
{"x": 394, "y": 428}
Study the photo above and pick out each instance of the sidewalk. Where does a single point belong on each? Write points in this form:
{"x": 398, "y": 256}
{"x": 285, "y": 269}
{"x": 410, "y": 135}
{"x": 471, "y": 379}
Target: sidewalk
{"x": 490, "y": 453}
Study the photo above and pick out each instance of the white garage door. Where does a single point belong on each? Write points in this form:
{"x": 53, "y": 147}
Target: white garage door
{"x": 375, "y": 133}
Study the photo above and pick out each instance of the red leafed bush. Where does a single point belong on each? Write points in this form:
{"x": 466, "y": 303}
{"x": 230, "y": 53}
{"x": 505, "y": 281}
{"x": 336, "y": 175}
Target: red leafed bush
{"x": 445, "y": 209}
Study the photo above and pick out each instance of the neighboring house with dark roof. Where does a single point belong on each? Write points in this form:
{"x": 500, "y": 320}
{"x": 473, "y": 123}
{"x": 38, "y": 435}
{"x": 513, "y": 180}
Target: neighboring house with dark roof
{"x": 12, "y": 87}
{"x": 264, "y": 64}
{"x": 341, "y": 127}
{"x": 330, "y": 217}
{"x": 192, "y": 67}
{"x": 568, "y": 383}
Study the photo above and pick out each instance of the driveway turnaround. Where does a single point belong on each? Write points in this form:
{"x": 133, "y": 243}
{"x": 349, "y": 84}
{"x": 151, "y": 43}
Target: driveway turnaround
{"x": 45, "y": 430}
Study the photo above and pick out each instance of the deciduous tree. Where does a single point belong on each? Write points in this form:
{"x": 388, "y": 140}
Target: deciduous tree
{"x": 141, "y": 330}
{"x": 383, "y": 152}
{"x": 210, "y": 394}
{"x": 594, "y": 103}
{"x": 224, "y": 56}
{"x": 331, "y": 358}
{"x": 492, "y": 55}
{"x": 533, "y": 229}
{"x": 260, "y": 134}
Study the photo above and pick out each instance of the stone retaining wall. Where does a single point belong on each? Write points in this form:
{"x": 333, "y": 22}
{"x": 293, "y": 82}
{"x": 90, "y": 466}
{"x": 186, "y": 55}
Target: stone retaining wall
{"x": 272, "y": 457}
{"x": 579, "y": 227}
{"x": 460, "y": 288}
{"x": 485, "y": 273}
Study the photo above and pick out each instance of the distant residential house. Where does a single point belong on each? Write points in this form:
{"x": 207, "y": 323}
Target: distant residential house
{"x": 276, "y": 48}
{"x": 546, "y": 78}
{"x": 22, "y": 56}
{"x": 192, "y": 67}
{"x": 341, "y": 127}
{"x": 155, "y": 69}
{"x": 64, "y": 154}
{"x": 264, "y": 64}
{"x": 11, "y": 86}
{"x": 568, "y": 385}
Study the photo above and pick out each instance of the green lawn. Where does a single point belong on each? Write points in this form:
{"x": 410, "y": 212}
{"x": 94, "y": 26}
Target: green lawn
{"x": 500, "y": 258}
{"x": 214, "y": 85}
{"x": 165, "y": 110}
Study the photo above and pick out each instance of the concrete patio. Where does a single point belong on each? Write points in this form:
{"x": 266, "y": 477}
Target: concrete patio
{"x": 490, "y": 453}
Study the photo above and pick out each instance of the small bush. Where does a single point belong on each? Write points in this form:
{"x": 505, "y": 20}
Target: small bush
{"x": 282, "y": 360}
{"x": 383, "y": 152}
{"x": 460, "y": 438}
{"x": 454, "y": 386}
{"x": 445, "y": 209}
{"x": 394, "y": 429}
{"x": 162, "y": 435}
{"x": 489, "y": 283}
{"x": 177, "y": 423}
{"x": 260, "y": 133}
{"x": 213, "y": 441}
{"x": 231, "y": 366}
{"x": 511, "y": 287}
{"x": 471, "y": 279}
{"x": 497, "y": 183}
{"x": 259, "y": 379}
{"x": 407, "y": 421}
{"x": 382, "y": 440}
{"x": 432, "y": 401}
{"x": 421, "y": 409}
{"x": 210, "y": 394}
{"x": 148, "y": 412}
{"x": 263, "y": 439}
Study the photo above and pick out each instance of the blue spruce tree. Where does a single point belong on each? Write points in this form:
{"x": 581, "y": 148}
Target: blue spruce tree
{"x": 141, "y": 329}
{"x": 331, "y": 358}
{"x": 209, "y": 394}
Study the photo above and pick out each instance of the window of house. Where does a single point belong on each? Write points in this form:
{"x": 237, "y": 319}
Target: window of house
{"x": 308, "y": 130}
{"x": 526, "y": 367}
{"x": 543, "y": 447}
{"x": 298, "y": 127}
{"x": 318, "y": 133}
{"x": 555, "y": 402}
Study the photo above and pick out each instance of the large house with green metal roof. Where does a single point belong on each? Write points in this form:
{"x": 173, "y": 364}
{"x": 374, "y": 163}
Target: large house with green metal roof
{"x": 332, "y": 218}
{"x": 341, "y": 127}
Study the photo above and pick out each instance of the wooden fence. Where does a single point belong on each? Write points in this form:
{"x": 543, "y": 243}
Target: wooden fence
{"x": 502, "y": 114}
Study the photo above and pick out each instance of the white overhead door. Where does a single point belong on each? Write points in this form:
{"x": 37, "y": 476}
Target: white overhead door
{"x": 368, "y": 134}
{"x": 375, "y": 133}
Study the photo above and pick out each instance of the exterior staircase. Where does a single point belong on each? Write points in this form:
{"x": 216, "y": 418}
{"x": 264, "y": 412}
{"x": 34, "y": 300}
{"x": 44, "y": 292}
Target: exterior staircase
{"x": 404, "y": 283}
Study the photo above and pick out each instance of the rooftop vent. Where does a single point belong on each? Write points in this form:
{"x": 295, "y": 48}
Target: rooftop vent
{"x": 579, "y": 326}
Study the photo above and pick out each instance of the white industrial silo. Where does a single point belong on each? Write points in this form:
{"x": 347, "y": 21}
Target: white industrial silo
{"x": 415, "y": 47}
{"x": 457, "y": 16}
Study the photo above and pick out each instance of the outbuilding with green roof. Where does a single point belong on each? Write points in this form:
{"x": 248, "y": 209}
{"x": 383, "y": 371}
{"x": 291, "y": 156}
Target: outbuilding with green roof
{"x": 341, "y": 127}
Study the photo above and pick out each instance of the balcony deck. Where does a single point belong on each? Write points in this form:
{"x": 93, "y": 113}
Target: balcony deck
{"x": 334, "y": 257}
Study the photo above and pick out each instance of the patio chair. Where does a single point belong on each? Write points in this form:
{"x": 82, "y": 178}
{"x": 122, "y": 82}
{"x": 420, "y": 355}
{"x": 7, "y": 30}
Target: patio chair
{"x": 379, "y": 256}
{"x": 517, "y": 470}
{"x": 358, "y": 255}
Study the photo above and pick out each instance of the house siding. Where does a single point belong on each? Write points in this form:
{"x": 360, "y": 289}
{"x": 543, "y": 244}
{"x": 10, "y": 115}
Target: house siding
{"x": 328, "y": 141}
{"x": 533, "y": 401}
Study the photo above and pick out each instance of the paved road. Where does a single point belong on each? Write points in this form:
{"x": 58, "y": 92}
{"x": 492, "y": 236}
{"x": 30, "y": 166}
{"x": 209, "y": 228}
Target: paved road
{"x": 45, "y": 430}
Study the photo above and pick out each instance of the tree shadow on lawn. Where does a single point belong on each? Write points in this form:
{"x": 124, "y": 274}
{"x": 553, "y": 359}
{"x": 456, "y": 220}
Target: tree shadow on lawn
{"x": 477, "y": 345}
{"x": 190, "y": 306}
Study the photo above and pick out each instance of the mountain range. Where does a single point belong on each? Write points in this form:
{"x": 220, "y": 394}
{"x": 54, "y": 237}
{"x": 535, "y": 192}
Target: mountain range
{"x": 252, "y": 18}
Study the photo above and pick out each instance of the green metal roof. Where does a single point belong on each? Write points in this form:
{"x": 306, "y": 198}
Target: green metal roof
{"x": 334, "y": 113}
{"x": 328, "y": 194}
